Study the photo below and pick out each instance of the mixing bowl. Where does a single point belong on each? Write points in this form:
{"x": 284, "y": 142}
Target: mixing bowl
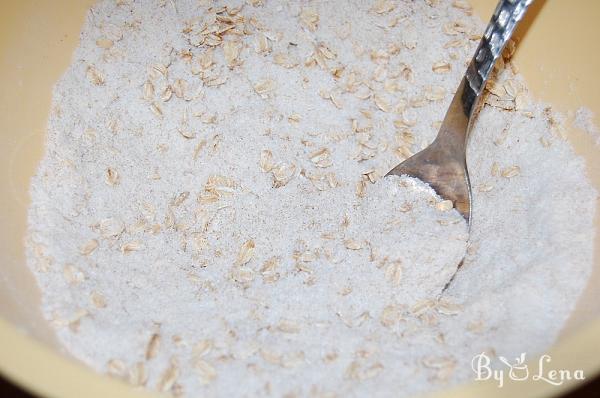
{"x": 556, "y": 55}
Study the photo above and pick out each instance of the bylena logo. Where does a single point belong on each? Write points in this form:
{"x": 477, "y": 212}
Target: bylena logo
{"x": 520, "y": 371}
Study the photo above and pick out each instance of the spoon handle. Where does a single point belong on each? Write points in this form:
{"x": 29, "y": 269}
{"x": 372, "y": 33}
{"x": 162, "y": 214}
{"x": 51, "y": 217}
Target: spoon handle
{"x": 506, "y": 17}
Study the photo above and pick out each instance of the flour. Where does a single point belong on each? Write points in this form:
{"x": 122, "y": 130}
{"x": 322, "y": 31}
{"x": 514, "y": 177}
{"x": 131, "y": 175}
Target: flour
{"x": 210, "y": 216}
{"x": 584, "y": 120}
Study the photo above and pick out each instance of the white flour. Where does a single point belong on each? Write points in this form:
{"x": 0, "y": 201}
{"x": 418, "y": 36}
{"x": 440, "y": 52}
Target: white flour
{"x": 584, "y": 120}
{"x": 208, "y": 225}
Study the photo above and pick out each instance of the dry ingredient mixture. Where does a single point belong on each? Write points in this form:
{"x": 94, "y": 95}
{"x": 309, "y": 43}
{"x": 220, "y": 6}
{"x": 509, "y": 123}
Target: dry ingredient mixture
{"x": 584, "y": 120}
{"x": 210, "y": 217}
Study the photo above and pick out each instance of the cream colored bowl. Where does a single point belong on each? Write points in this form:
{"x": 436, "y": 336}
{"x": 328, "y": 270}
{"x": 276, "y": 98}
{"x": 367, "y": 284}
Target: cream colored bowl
{"x": 558, "y": 55}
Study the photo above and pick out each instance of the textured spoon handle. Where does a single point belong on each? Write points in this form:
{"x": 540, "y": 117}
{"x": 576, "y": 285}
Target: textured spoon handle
{"x": 504, "y": 21}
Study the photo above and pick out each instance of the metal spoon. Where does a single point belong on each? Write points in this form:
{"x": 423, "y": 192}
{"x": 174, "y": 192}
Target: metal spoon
{"x": 443, "y": 163}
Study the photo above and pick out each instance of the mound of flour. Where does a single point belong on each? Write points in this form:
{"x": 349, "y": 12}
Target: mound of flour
{"x": 210, "y": 217}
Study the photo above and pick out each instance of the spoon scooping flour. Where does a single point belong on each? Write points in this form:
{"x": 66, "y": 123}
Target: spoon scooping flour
{"x": 210, "y": 219}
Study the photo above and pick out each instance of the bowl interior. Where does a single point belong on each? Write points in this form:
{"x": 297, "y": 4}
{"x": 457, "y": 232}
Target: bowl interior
{"x": 36, "y": 42}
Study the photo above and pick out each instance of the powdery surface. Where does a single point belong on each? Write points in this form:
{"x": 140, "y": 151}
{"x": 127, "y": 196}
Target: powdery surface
{"x": 584, "y": 119}
{"x": 225, "y": 239}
